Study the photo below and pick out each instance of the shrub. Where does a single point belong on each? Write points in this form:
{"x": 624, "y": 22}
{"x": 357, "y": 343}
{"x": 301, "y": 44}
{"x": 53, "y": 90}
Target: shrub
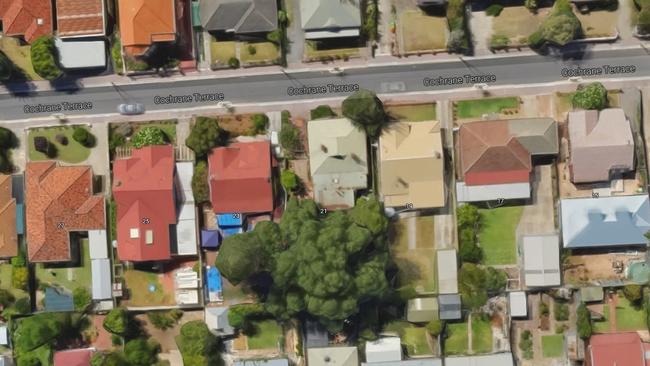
{"x": 584, "y": 321}
{"x": 290, "y": 138}
{"x": 289, "y": 180}
{"x": 116, "y": 321}
{"x": 434, "y": 327}
{"x": 543, "y": 309}
{"x": 561, "y": 311}
{"x": 240, "y": 315}
{"x": 526, "y": 344}
{"x": 531, "y": 5}
{"x": 20, "y": 277}
{"x": 233, "y": 63}
{"x": 633, "y": 293}
{"x": 82, "y": 136}
{"x": 260, "y": 123}
{"x": 536, "y": 40}
{"x": 559, "y": 28}
{"x": 494, "y": 10}
{"x": 499, "y": 42}
{"x": 495, "y": 280}
{"x": 274, "y": 36}
{"x": 370, "y": 23}
{"x": 6, "y": 139}
{"x": 164, "y": 319}
{"x": 205, "y": 135}
{"x": 41, "y": 144}
{"x": 591, "y": 96}
{"x": 81, "y": 298}
{"x": 45, "y": 58}
{"x": 116, "y": 54}
{"x": 139, "y": 352}
{"x": 251, "y": 49}
{"x": 200, "y": 185}
{"x": 61, "y": 139}
{"x": 643, "y": 21}
{"x": 322, "y": 111}
{"x": 149, "y": 136}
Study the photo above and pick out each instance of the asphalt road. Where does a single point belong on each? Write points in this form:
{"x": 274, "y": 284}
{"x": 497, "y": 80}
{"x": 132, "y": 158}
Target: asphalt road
{"x": 292, "y": 86}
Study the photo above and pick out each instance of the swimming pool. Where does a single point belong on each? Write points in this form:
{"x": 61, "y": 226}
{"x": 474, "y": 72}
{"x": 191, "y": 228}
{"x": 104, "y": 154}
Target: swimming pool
{"x": 638, "y": 272}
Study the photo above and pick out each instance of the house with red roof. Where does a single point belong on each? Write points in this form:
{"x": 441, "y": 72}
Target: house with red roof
{"x": 59, "y": 201}
{"x": 143, "y": 189}
{"x": 73, "y": 357}
{"x": 27, "y": 18}
{"x": 496, "y": 157}
{"x": 618, "y": 349}
{"x": 241, "y": 178}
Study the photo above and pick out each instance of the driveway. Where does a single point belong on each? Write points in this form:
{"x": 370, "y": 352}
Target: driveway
{"x": 296, "y": 47}
{"x": 538, "y": 218}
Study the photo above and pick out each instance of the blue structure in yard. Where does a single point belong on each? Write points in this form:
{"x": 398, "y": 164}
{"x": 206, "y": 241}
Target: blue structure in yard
{"x": 215, "y": 285}
{"x": 230, "y": 220}
{"x": 210, "y": 239}
{"x": 58, "y": 300}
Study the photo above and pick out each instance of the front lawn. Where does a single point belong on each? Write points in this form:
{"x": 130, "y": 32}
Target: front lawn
{"x": 67, "y": 276}
{"x": 628, "y": 317}
{"x": 20, "y": 56}
{"x": 264, "y": 52}
{"x": 598, "y": 23}
{"x": 516, "y": 23}
{"x": 72, "y": 153}
{"x": 497, "y": 236}
{"x": 415, "y": 340}
{"x": 314, "y": 53}
{"x": 415, "y": 257}
{"x": 481, "y": 336}
{"x": 267, "y": 335}
{"x": 420, "y": 32}
{"x": 412, "y": 112}
{"x": 477, "y": 107}
{"x": 168, "y": 127}
{"x": 146, "y": 289}
{"x": 456, "y": 341}
{"x": 553, "y": 346}
{"x": 221, "y": 51}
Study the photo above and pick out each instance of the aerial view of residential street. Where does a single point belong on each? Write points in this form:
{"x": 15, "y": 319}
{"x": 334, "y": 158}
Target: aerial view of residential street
{"x": 324, "y": 182}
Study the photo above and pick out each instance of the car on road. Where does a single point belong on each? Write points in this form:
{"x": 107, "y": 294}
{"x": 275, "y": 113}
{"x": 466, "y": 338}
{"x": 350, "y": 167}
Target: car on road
{"x": 130, "y": 108}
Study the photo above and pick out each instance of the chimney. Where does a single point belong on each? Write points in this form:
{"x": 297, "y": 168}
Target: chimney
{"x": 323, "y": 148}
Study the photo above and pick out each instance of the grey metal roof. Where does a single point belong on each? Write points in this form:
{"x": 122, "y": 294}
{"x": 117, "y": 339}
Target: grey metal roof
{"x": 496, "y": 359}
{"x": 605, "y": 221}
{"x": 450, "y": 307}
{"x": 324, "y": 14}
{"x": 413, "y": 362}
{"x": 101, "y": 279}
{"x": 422, "y": 309}
{"x": 447, "y": 271}
{"x": 216, "y": 318}
{"x": 538, "y": 135}
{"x": 541, "y": 260}
{"x": 315, "y": 335}
{"x": 592, "y": 293}
{"x": 384, "y": 349}
{"x": 239, "y": 16}
{"x": 333, "y": 356}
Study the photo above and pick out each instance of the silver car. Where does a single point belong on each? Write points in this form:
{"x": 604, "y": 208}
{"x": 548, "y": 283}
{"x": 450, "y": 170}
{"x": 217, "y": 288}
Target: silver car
{"x": 130, "y": 108}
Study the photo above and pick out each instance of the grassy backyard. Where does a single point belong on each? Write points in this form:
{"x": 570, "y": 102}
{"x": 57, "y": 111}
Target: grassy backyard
{"x": 477, "y": 107}
{"x": 415, "y": 340}
{"x": 68, "y": 277}
{"x": 413, "y": 112}
{"x": 71, "y": 153}
{"x": 415, "y": 257}
{"x": 553, "y": 346}
{"x": 5, "y": 282}
{"x": 146, "y": 289}
{"x": 221, "y": 51}
{"x": 264, "y": 52}
{"x": 456, "y": 342}
{"x": 422, "y": 32}
{"x": 497, "y": 236}
{"x": 267, "y": 335}
{"x": 602, "y": 326}
{"x": 20, "y": 56}
{"x": 481, "y": 336}
{"x": 628, "y": 317}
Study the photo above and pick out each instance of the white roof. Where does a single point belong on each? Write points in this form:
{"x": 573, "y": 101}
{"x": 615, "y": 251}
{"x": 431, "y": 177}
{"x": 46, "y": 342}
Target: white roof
{"x": 412, "y": 362}
{"x": 216, "y": 318}
{"x": 81, "y": 54}
{"x": 98, "y": 244}
{"x": 541, "y": 260}
{"x": 332, "y": 34}
{"x": 186, "y": 297}
{"x": 447, "y": 271}
{"x": 384, "y": 350}
{"x": 4, "y": 335}
{"x": 101, "y": 279}
{"x": 492, "y": 192}
{"x": 186, "y": 236}
{"x": 333, "y": 356}
{"x": 185, "y": 171}
{"x": 496, "y": 359}
{"x": 605, "y": 221}
{"x": 518, "y": 304}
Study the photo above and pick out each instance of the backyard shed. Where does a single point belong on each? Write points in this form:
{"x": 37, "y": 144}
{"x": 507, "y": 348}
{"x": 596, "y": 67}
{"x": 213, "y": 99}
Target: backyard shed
{"x": 518, "y": 304}
{"x": 101, "y": 279}
{"x": 450, "y": 307}
{"x": 210, "y": 239}
{"x": 410, "y": 362}
{"x": 591, "y": 294}
{"x": 216, "y": 318}
{"x": 58, "y": 300}
{"x": 541, "y": 260}
{"x": 447, "y": 271}
{"x": 496, "y": 359}
{"x": 384, "y": 349}
{"x": 422, "y": 309}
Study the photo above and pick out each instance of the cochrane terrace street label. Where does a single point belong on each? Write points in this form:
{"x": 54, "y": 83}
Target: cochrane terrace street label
{"x": 598, "y": 70}
{"x": 322, "y": 89}
{"x": 459, "y": 80}
{"x": 57, "y": 107}
{"x": 188, "y": 98}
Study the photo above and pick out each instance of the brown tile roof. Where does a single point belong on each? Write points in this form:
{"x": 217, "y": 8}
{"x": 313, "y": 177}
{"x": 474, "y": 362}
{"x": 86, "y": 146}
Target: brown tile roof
{"x": 80, "y": 17}
{"x": 59, "y": 200}
{"x": 488, "y": 146}
{"x": 8, "y": 235}
{"x": 143, "y": 22}
{"x": 28, "y": 18}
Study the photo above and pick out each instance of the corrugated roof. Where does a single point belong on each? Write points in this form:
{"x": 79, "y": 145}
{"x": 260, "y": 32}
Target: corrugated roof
{"x": 617, "y": 349}
{"x": 385, "y": 349}
{"x": 216, "y": 318}
{"x": 496, "y": 359}
{"x": 411, "y": 362}
{"x": 422, "y": 309}
{"x": 412, "y": 165}
{"x": 450, "y": 307}
{"x": 599, "y": 142}
{"x": 239, "y": 16}
{"x": 447, "y": 271}
{"x": 58, "y": 300}
{"x": 101, "y": 279}
{"x": 518, "y": 304}
{"x": 74, "y": 54}
{"x": 491, "y": 192}
{"x": 541, "y": 260}
{"x": 263, "y": 362}
{"x": 605, "y": 221}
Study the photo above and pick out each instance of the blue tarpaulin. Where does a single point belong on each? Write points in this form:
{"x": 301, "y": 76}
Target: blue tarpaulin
{"x": 58, "y": 300}
{"x": 231, "y": 231}
{"x": 214, "y": 280}
{"x": 229, "y": 220}
{"x": 210, "y": 238}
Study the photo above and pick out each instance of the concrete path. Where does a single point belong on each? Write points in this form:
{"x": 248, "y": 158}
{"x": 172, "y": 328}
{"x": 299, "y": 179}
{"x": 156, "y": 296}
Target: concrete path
{"x": 481, "y": 27}
{"x": 296, "y": 47}
{"x": 538, "y": 217}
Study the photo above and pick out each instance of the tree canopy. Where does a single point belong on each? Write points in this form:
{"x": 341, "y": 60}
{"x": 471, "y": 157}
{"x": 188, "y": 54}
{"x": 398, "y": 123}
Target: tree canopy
{"x": 116, "y": 321}
{"x": 559, "y": 27}
{"x": 583, "y": 321}
{"x": 198, "y": 346}
{"x": 591, "y": 96}
{"x": 205, "y": 135}
{"x": 323, "y": 265}
{"x": 6, "y": 67}
{"x": 366, "y": 111}
{"x": 200, "y": 184}
{"x": 45, "y": 58}
{"x": 139, "y": 352}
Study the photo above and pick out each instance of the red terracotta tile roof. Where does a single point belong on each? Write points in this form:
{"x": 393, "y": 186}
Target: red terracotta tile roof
{"x": 59, "y": 200}
{"x": 79, "y": 17}
{"x": 491, "y": 155}
{"x": 74, "y": 357}
{"x": 28, "y": 18}
{"x": 616, "y": 349}
{"x": 143, "y": 188}
{"x": 240, "y": 178}
{"x": 143, "y": 22}
{"x": 8, "y": 235}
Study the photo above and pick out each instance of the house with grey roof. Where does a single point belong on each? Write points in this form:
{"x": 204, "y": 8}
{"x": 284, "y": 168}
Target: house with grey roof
{"x": 450, "y": 307}
{"x": 216, "y": 318}
{"x": 422, "y": 309}
{"x": 239, "y": 17}
{"x": 605, "y": 222}
{"x": 326, "y": 19}
{"x": 591, "y": 294}
{"x": 333, "y": 356}
{"x": 314, "y": 335}
{"x": 338, "y": 161}
{"x": 541, "y": 260}
{"x": 447, "y": 271}
{"x": 601, "y": 145}
{"x": 386, "y": 349}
